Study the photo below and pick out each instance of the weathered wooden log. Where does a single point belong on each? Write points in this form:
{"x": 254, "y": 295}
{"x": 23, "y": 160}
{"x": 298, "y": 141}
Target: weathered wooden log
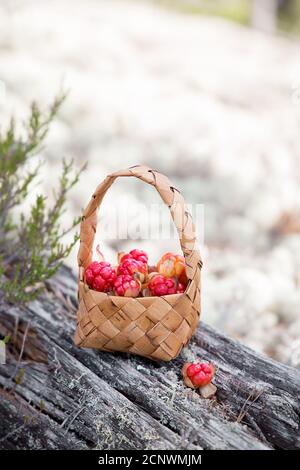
{"x": 55, "y": 395}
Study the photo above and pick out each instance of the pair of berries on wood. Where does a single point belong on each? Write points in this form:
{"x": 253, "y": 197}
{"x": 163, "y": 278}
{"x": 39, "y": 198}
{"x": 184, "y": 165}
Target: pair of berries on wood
{"x": 134, "y": 277}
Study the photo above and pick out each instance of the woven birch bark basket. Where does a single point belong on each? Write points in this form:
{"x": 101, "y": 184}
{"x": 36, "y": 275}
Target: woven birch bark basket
{"x": 153, "y": 327}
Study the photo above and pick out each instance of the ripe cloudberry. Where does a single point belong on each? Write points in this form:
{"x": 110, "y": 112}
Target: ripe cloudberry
{"x": 126, "y": 286}
{"x": 161, "y": 285}
{"x": 200, "y": 373}
{"x": 138, "y": 255}
{"x": 133, "y": 268}
{"x": 171, "y": 265}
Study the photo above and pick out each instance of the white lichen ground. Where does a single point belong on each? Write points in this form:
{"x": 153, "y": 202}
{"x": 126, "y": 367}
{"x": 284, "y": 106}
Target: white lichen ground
{"x": 214, "y": 105}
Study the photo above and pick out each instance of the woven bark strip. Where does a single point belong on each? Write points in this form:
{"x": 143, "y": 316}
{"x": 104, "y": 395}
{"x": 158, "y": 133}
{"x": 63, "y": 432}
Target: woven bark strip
{"x": 154, "y": 327}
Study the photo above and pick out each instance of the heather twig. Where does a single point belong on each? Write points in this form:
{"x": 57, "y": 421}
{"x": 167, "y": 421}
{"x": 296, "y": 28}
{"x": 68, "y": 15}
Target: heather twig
{"x": 32, "y": 247}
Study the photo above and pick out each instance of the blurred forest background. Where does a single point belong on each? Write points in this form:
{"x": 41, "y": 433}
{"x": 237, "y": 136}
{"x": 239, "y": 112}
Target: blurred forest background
{"x": 207, "y": 91}
{"x": 267, "y": 15}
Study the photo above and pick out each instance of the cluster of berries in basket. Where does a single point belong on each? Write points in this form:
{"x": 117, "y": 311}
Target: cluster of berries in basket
{"x": 134, "y": 277}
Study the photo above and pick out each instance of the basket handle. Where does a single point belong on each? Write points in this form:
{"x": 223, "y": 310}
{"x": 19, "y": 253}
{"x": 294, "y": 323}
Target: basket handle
{"x": 169, "y": 194}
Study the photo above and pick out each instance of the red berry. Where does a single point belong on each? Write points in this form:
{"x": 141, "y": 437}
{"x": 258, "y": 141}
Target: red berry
{"x": 89, "y": 276}
{"x": 200, "y": 379}
{"x": 139, "y": 255}
{"x": 180, "y": 288}
{"x": 161, "y": 285}
{"x": 132, "y": 267}
{"x": 100, "y": 276}
{"x": 193, "y": 369}
{"x": 206, "y": 368}
{"x": 200, "y": 373}
{"x": 126, "y": 286}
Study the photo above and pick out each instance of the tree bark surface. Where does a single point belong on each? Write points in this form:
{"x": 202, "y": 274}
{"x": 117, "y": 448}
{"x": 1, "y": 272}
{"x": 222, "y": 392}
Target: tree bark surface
{"x": 55, "y": 395}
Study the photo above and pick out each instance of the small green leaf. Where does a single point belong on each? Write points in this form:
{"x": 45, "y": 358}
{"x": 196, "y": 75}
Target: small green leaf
{"x": 42, "y": 405}
{"x": 6, "y": 339}
{"x": 19, "y": 376}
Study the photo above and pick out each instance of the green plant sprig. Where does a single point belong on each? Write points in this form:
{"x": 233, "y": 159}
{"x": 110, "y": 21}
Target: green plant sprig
{"x": 32, "y": 248}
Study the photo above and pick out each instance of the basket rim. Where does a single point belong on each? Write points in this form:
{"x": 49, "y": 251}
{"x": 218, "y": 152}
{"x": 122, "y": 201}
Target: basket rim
{"x": 154, "y": 297}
